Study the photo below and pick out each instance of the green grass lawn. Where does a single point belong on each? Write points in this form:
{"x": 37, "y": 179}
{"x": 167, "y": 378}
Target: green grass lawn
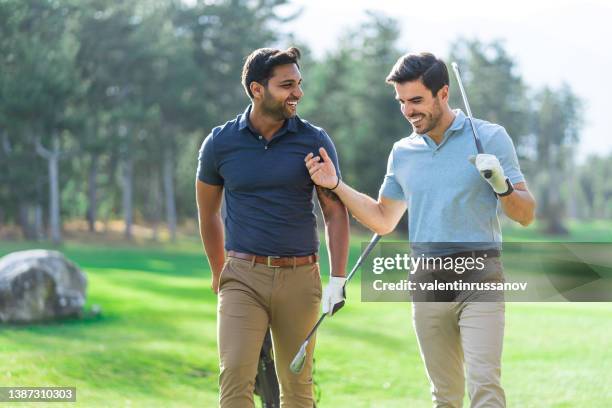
{"x": 154, "y": 344}
{"x": 580, "y": 231}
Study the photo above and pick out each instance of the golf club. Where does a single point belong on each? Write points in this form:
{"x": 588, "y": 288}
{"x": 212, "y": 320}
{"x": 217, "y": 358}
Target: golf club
{"x": 487, "y": 173}
{"x": 297, "y": 364}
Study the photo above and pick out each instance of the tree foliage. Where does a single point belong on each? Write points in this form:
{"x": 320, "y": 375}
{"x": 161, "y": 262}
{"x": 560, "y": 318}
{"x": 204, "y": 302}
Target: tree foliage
{"x": 124, "y": 92}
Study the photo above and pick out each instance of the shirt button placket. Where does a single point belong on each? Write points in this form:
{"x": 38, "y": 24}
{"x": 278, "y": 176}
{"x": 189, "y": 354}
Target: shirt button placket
{"x": 265, "y": 146}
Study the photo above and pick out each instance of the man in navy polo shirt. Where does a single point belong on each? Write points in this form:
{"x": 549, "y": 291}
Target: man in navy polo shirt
{"x": 270, "y": 276}
{"x": 437, "y": 174}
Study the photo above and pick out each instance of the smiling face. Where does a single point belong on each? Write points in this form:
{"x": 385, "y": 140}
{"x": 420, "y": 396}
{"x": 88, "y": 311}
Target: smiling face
{"x": 418, "y": 105}
{"x": 279, "y": 98}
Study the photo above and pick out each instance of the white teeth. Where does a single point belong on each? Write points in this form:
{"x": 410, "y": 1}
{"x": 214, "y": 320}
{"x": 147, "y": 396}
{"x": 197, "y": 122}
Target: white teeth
{"x": 415, "y": 121}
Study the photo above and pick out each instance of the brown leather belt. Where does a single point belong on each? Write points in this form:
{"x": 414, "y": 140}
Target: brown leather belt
{"x": 483, "y": 253}
{"x": 276, "y": 261}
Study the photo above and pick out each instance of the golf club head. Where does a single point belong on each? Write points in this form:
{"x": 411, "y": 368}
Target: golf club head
{"x": 297, "y": 364}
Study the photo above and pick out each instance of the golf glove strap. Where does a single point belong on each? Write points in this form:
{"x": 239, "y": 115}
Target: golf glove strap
{"x": 333, "y": 295}
{"x": 490, "y": 162}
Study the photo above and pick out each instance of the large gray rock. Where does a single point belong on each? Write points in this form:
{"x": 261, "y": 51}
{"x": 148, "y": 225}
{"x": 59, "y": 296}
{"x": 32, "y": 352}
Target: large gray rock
{"x": 40, "y": 285}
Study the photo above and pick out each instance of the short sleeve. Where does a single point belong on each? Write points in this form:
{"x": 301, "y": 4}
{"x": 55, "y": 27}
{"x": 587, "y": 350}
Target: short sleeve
{"x": 329, "y": 147}
{"x": 390, "y": 187}
{"x": 501, "y": 146}
{"x": 208, "y": 171}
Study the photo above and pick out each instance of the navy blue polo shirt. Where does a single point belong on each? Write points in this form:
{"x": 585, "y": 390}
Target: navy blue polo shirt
{"x": 267, "y": 189}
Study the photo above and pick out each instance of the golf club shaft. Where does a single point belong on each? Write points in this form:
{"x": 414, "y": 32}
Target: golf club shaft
{"x": 479, "y": 149}
{"x": 315, "y": 327}
{"x": 364, "y": 255}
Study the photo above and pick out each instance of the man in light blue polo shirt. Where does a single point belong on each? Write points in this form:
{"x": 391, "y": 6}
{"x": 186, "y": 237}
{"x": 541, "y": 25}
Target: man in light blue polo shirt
{"x": 437, "y": 174}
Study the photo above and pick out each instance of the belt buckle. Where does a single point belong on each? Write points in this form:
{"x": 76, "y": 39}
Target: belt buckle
{"x": 270, "y": 259}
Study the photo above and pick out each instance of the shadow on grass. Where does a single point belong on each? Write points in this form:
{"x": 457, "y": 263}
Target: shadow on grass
{"x": 182, "y": 288}
{"x": 152, "y": 260}
{"x": 137, "y": 362}
{"x": 184, "y": 265}
{"x": 134, "y": 371}
{"x": 106, "y": 354}
{"x": 103, "y": 329}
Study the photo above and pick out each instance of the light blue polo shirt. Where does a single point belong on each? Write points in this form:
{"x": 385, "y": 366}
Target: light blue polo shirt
{"x": 447, "y": 199}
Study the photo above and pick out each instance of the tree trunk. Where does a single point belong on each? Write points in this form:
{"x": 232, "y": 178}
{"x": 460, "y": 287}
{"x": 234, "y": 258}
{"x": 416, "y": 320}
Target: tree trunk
{"x": 24, "y": 221}
{"x": 156, "y": 202}
{"x": 38, "y": 222}
{"x": 6, "y": 150}
{"x": 554, "y": 210}
{"x": 169, "y": 193}
{"x": 92, "y": 209}
{"x": 572, "y": 193}
{"x": 54, "y": 205}
{"x": 52, "y": 157}
{"x": 128, "y": 169}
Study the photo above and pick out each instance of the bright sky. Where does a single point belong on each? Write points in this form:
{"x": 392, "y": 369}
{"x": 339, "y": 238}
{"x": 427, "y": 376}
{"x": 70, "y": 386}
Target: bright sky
{"x": 552, "y": 41}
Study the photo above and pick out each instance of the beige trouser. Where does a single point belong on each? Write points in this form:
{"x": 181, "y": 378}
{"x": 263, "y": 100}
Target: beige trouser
{"x": 470, "y": 333}
{"x": 251, "y": 298}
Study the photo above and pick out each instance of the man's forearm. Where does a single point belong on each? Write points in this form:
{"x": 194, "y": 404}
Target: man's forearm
{"x": 337, "y": 237}
{"x": 364, "y": 208}
{"x": 519, "y": 206}
{"x": 211, "y": 232}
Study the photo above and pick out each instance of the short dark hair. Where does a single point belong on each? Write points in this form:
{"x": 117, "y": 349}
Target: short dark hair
{"x": 424, "y": 66}
{"x": 260, "y": 63}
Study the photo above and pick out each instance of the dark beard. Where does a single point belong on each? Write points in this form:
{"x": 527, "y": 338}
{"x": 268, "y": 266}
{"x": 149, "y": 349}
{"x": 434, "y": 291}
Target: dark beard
{"x": 435, "y": 118}
{"x": 274, "y": 109}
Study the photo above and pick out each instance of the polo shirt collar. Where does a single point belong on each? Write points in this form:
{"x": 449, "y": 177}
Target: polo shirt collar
{"x": 456, "y": 125}
{"x": 292, "y": 124}
{"x": 244, "y": 123}
{"x": 289, "y": 125}
{"x": 458, "y": 122}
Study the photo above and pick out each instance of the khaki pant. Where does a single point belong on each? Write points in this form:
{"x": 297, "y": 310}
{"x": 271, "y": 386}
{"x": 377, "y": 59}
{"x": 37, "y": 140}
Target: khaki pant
{"x": 251, "y": 298}
{"x": 470, "y": 333}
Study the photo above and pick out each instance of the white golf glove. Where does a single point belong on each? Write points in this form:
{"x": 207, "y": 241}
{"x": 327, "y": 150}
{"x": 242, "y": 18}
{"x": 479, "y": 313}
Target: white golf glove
{"x": 484, "y": 162}
{"x": 333, "y": 295}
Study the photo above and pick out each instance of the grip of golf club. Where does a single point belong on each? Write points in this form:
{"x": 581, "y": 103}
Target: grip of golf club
{"x": 487, "y": 173}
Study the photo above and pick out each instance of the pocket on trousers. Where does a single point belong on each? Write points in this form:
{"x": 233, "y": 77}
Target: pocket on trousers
{"x": 235, "y": 269}
{"x": 494, "y": 270}
{"x": 224, "y": 272}
{"x": 316, "y": 277}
